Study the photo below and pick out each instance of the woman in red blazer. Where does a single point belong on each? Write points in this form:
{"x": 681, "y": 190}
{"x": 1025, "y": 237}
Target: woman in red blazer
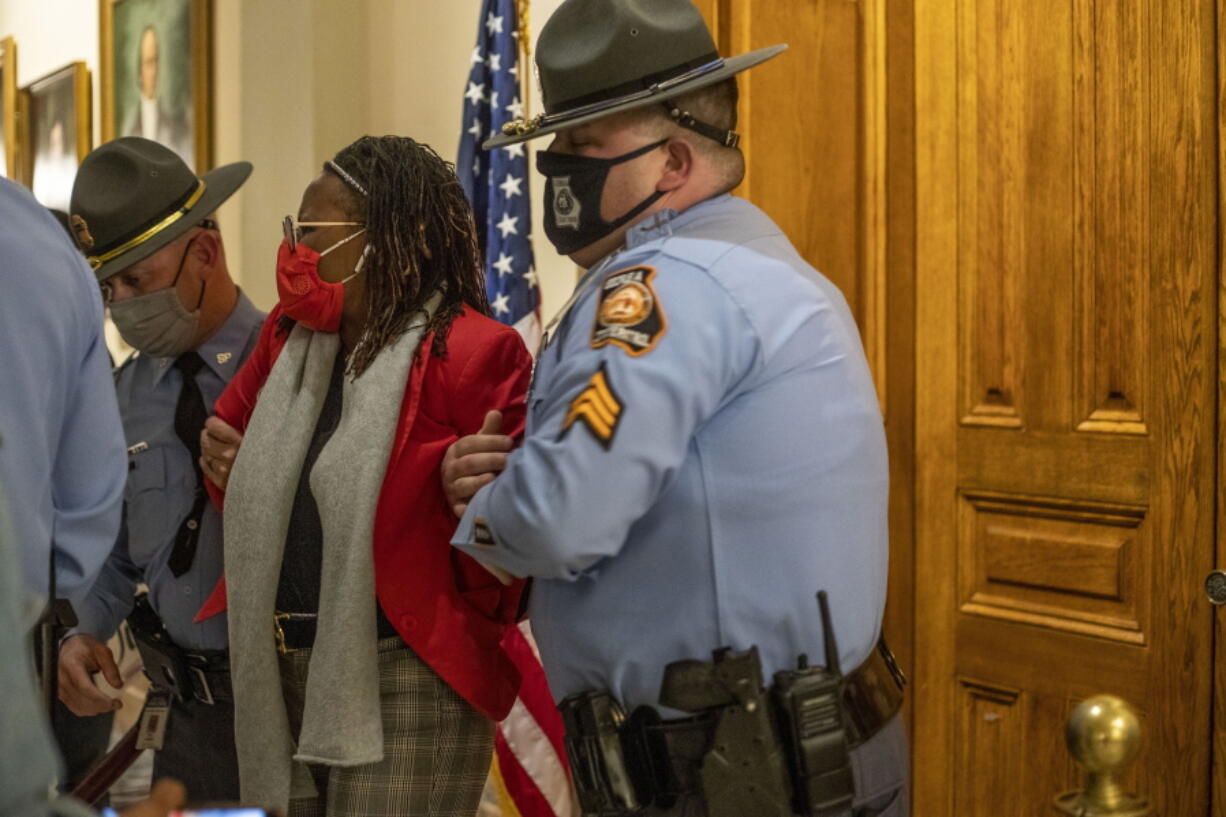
{"x": 378, "y": 356}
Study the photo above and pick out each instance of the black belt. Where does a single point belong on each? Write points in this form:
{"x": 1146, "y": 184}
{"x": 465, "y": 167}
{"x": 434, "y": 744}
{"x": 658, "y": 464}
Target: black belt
{"x": 621, "y": 764}
{"x": 210, "y": 673}
{"x": 872, "y": 696}
{"x": 294, "y": 631}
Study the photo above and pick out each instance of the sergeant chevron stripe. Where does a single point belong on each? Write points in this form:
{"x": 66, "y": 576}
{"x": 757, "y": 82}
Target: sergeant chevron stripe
{"x": 598, "y": 407}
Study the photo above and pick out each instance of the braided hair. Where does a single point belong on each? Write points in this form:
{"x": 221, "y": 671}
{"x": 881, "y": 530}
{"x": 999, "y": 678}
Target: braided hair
{"x": 421, "y": 239}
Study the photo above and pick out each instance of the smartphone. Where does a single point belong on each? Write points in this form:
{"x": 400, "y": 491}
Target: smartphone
{"x": 206, "y": 811}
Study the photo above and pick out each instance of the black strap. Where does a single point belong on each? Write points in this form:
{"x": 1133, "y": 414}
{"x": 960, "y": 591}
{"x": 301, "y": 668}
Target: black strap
{"x": 190, "y": 414}
{"x": 685, "y": 119}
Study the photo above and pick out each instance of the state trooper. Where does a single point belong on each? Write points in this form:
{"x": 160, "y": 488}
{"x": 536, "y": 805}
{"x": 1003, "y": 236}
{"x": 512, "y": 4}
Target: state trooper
{"x": 144, "y": 221}
{"x": 704, "y": 451}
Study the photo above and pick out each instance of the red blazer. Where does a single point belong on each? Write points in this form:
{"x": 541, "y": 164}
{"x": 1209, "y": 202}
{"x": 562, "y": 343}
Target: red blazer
{"x": 448, "y": 608}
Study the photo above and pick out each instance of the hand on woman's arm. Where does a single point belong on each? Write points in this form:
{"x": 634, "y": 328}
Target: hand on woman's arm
{"x": 219, "y": 443}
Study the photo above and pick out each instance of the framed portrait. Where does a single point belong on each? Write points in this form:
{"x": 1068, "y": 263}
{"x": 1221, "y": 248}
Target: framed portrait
{"x": 156, "y": 59}
{"x": 57, "y": 131}
{"x": 9, "y": 145}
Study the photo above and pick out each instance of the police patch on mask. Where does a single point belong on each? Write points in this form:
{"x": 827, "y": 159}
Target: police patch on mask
{"x": 629, "y": 314}
{"x": 597, "y": 407}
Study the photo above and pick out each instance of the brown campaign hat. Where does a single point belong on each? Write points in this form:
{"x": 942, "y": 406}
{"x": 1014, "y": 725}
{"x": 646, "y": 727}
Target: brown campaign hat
{"x": 133, "y": 196}
{"x": 600, "y": 57}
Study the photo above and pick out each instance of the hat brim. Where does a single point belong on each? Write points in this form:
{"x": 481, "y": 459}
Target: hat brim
{"x": 219, "y": 185}
{"x": 731, "y": 66}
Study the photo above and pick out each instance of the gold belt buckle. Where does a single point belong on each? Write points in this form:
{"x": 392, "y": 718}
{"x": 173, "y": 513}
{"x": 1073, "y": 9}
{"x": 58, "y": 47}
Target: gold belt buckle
{"x": 279, "y": 632}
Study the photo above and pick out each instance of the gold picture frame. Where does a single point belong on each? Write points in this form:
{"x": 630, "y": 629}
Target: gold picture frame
{"x": 10, "y": 150}
{"x": 156, "y": 58}
{"x": 56, "y": 132}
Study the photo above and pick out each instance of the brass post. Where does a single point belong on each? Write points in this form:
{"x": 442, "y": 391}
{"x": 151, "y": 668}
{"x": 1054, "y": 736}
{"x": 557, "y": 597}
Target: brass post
{"x": 1103, "y": 735}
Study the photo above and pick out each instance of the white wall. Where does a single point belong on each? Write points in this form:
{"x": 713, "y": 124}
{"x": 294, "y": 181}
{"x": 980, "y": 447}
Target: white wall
{"x": 295, "y": 81}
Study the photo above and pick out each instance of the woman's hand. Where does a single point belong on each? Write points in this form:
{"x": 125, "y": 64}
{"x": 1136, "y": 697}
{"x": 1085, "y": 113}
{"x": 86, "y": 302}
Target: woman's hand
{"x": 219, "y": 442}
{"x": 474, "y": 461}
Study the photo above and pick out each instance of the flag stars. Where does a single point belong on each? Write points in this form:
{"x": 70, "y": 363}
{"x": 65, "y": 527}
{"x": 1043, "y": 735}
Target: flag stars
{"x": 493, "y": 100}
{"x": 507, "y": 225}
{"x": 503, "y": 264}
{"x": 530, "y": 276}
{"x": 477, "y": 55}
{"x": 502, "y": 304}
{"x": 493, "y": 24}
{"x": 516, "y": 108}
{"x": 495, "y": 62}
{"x": 515, "y": 151}
{"x": 475, "y": 130}
{"x": 475, "y": 92}
{"x": 510, "y": 187}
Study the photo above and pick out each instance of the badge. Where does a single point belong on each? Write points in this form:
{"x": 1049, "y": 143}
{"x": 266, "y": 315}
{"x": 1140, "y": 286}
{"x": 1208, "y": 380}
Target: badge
{"x": 81, "y": 229}
{"x": 628, "y": 313}
{"x": 565, "y": 206}
{"x": 222, "y": 357}
{"x": 598, "y": 407}
{"x": 482, "y": 535}
{"x": 153, "y": 719}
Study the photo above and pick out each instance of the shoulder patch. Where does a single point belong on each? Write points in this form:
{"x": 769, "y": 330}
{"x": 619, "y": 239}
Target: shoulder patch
{"x": 629, "y": 313}
{"x": 598, "y": 407}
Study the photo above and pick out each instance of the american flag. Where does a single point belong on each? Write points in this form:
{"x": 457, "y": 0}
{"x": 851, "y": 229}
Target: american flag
{"x": 529, "y": 775}
{"x": 497, "y": 181}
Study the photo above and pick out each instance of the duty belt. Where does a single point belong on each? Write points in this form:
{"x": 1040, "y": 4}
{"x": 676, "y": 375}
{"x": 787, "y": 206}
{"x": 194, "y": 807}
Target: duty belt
{"x": 745, "y": 751}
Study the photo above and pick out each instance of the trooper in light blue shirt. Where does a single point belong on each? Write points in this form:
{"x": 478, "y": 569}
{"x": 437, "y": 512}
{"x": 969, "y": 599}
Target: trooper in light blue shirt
{"x": 704, "y": 448}
{"x": 61, "y": 447}
{"x": 172, "y": 298}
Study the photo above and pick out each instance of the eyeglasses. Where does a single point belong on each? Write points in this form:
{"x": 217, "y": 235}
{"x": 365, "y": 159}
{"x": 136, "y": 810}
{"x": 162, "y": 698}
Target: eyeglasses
{"x": 292, "y": 228}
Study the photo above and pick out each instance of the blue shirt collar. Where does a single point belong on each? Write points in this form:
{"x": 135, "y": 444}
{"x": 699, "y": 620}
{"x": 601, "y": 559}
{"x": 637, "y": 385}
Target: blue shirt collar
{"x": 222, "y": 353}
{"x": 664, "y": 223}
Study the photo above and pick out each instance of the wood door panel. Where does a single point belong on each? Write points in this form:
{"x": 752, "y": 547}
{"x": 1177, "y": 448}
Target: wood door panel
{"x": 1066, "y": 351}
{"x": 1071, "y": 566}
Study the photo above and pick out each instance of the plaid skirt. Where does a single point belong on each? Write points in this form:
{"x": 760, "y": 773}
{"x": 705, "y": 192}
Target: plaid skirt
{"x": 436, "y": 746}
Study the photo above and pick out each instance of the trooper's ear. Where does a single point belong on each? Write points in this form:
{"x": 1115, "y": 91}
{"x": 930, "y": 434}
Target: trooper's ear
{"x": 206, "y": 250}
{"x": 679, "y": 166}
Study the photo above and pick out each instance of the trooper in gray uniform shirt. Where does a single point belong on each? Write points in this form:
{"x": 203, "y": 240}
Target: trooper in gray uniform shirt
{"x": 143, "y": 220}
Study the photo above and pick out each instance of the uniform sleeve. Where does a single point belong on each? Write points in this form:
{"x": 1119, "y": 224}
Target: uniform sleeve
{"x": 90, "y": 465}
{"x": 612, "y": 426}
{"x": 110, "y": 599}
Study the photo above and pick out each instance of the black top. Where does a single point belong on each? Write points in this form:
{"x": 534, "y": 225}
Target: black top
{"x": 302, "y": 562}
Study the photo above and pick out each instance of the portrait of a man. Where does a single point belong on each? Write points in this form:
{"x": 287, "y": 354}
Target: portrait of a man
{"x": 150, "y": 59}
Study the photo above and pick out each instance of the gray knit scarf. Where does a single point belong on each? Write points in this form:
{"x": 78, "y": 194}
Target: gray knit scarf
{"x": 341, "y": 723}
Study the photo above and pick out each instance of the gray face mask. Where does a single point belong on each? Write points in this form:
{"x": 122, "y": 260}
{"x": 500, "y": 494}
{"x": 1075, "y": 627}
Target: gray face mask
{"x": 158, "y": 324}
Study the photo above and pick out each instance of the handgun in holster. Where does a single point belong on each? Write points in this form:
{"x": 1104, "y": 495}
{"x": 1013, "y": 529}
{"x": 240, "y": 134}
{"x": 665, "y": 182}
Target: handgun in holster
{"x": 164, "y": 662}
{"x": 744, "y": 770}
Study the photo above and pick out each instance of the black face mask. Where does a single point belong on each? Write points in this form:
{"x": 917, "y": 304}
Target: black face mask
{"x": 573, "y": 187}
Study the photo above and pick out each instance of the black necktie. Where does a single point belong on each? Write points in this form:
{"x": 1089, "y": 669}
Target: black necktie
{"x": 190, "y": 415}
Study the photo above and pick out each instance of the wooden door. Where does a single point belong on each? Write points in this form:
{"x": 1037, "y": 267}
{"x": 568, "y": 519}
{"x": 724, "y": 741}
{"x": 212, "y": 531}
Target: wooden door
{"x": 1066, "y": 366}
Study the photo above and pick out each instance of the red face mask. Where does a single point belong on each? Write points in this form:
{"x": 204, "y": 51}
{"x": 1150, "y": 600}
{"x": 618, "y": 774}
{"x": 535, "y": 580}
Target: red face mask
{"x": 303, "y": 295}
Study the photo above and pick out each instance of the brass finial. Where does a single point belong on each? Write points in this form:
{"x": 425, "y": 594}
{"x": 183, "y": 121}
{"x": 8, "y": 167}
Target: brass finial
{"x": 1104, "y": 736}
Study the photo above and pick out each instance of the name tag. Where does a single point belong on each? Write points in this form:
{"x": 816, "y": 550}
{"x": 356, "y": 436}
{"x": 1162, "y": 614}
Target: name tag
{"x": 138, "y": 448}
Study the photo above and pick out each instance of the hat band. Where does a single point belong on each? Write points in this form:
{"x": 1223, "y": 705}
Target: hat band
{"x": 96, "y": 261}
{"x": 631, "y": 91}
